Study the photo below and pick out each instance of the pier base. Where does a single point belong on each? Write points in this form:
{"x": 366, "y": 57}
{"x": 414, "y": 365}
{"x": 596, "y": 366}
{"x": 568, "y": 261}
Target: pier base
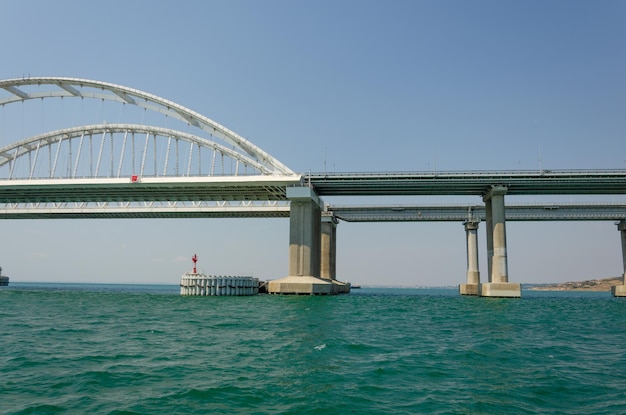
{"x": 340, "y": 287}
{"x": 468, "y": 289}
{"x": 500, "y": 289}
{"x": 618, "y": 290}
{"x": 301, "y": 285}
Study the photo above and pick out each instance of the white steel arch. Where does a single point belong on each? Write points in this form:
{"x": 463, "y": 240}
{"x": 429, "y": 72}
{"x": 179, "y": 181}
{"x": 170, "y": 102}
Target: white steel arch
{"x": 32, "y": 150}
{"x": 62, "y": 87}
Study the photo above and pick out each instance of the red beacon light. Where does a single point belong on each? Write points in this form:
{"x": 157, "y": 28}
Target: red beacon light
{"x": 194, "y": 259}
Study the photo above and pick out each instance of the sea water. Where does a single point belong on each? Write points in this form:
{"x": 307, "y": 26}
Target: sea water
{"x": 117, "y": 349}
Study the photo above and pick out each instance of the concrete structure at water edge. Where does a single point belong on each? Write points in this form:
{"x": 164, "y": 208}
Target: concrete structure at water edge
{"x": 217, "y": 285}
{"x": 497, "y": 265}
{"x": 195, "y": 283}
{"x": 312, "y": 249}
{"x": 4, "y": 280}
{"x": 620, "y": 290}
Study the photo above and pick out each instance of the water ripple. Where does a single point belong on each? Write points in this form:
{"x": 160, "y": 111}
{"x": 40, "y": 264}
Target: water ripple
{"x": 394, "y": 352}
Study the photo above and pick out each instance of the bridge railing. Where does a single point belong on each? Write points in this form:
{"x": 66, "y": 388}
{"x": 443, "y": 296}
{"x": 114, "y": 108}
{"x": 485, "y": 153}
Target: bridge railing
{"x": 465, "y": 173}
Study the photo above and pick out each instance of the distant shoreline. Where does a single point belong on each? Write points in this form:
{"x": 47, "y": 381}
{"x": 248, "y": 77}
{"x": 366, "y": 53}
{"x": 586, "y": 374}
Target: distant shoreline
{"x": 588, "y": 285}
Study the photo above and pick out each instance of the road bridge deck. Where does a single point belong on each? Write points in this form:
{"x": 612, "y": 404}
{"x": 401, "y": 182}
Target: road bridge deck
{"x": 546, "y": 182}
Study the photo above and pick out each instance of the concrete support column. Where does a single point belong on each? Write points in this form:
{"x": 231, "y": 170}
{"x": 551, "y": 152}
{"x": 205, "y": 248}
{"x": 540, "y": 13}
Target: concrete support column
{"x": 328, "y": 247}
{"x": 473, "y": 273}
{"x": 328, "y": 266}
{"x": 499, "y": 264}
{"x": 304, "y": 233}
{"x": 498, "y": 285}
{"x": 489, "y": 233}
{"x": 620, "y": 290}
{"x": 304, "y": 246}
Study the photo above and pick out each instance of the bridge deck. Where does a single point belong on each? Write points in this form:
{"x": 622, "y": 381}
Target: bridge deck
{"x": 147, "y": 189}
{"x": 393, "y": 213}
{"x": 469, "y": 183}
{"x": 95, "y": 197}
{"x": 451, "y": 213}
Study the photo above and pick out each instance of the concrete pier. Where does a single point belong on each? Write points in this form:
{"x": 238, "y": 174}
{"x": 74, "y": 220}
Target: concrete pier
{"x": 328, "y": 257}
{"x": 473, "y": 273}
{"x": 620, "y": 290}
{"x": 328, "y": 265}
{"x": 304, "y": 247}
{"x": 498, "y": 285}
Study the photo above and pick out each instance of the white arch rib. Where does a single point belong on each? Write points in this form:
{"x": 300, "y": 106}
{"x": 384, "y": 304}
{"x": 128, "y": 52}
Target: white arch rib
{"x": 73, "y": 87}
{"x": 20, "y": 148}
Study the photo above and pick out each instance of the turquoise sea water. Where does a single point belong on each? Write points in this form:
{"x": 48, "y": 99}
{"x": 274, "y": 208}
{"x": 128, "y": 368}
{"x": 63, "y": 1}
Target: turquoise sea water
{"x": 129, "y": 349}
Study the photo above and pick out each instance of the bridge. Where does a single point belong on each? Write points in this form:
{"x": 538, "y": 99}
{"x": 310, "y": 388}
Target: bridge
{"x": 176, "y": 162}
{"x": 473, "y": 183}
{"x": 477, "y": 213}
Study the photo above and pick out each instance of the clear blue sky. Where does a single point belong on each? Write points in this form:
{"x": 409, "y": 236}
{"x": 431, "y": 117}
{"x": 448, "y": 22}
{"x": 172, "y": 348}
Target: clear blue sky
{"x": 346, "y": 86}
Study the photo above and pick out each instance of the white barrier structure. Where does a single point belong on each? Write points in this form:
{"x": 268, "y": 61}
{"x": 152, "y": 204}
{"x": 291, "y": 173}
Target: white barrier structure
{"x": 202, "y": 285}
